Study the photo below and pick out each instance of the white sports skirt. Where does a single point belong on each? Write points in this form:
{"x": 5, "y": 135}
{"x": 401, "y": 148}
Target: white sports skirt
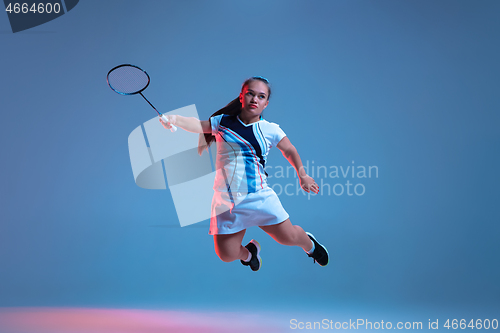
{"x": 243, "y": 211}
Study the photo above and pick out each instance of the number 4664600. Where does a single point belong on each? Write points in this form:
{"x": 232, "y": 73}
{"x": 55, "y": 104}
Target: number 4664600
{"x": 39, "y": 8}
{"x": 477, "y": 324}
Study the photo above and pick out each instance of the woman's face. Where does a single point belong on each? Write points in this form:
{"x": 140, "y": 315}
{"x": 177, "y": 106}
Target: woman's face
{"x": 254, "y": 97}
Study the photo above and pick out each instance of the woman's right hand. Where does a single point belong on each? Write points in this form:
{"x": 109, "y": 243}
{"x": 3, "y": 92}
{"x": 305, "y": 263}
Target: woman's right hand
{"x": 167, "y": 121}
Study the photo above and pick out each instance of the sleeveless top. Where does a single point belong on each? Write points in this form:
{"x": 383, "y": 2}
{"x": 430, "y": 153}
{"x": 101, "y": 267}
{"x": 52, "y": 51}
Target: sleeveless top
{"x": 242, "y": 153}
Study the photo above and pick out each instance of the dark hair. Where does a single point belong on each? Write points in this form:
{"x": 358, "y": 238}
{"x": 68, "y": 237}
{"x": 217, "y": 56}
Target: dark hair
{"x": 231, "y": 109}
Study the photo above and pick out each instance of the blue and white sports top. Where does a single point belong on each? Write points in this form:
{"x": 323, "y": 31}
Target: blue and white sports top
{"x": 242, "y": 153}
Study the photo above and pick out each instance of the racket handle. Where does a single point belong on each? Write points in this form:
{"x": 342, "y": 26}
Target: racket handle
{"x": 172, "y": 127}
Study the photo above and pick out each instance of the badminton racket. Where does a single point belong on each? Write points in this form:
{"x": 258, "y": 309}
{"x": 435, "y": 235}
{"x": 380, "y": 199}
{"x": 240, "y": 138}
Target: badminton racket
{"x": 129, "y": 79}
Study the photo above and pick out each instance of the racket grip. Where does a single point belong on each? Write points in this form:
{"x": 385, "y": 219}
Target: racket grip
{"x": 172, "y": 127}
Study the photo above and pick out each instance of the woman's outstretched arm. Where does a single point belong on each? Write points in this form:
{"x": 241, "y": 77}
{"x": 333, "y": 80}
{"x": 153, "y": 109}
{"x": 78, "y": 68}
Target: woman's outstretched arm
{"x": 189, "y": 124}
{"x": 290, "y": 152}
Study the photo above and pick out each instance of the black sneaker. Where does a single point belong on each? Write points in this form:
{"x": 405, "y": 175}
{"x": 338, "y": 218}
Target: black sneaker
{"x": 256, "y": 261}
{"x": 320, "y": 253}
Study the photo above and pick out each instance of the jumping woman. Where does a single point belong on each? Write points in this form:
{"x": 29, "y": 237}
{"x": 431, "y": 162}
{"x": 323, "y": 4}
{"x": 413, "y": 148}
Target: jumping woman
{"x": 242, "y": 197}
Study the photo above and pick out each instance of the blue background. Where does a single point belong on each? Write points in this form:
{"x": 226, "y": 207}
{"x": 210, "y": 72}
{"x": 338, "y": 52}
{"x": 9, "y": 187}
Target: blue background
{"x": 408, "y": 86}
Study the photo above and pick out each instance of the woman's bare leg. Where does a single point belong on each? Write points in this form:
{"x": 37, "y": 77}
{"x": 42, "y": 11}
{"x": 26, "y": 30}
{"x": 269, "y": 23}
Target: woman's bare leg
{"x": 229, "y": 248}
{"x": 287, "y": 234}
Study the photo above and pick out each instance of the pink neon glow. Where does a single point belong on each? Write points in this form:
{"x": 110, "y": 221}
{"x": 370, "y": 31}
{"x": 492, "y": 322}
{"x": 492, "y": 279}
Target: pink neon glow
{"x": 90, "y": 320}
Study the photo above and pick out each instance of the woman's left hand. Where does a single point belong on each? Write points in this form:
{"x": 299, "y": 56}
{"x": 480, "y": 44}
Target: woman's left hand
{"x": 308, "y": 184}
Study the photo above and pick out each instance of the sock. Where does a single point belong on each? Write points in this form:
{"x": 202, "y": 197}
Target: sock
{"x": 311, "y": 250}
{"x": 249, "y": 257}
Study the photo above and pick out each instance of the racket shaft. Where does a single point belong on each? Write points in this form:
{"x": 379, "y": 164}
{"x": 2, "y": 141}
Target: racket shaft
{"x": 150, "y": 104}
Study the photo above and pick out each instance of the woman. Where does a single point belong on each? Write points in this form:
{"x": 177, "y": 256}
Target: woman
{"x": 242, "y": 197}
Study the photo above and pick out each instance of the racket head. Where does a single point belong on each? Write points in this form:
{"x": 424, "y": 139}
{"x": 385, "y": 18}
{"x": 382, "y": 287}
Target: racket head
{"x": 127, "y": 79}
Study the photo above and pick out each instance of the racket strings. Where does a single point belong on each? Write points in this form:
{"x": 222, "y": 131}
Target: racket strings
{"x": 128, "y": 80}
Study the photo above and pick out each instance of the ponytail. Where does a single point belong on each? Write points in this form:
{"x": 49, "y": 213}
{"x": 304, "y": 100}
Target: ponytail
{"x": 232, "y": 109}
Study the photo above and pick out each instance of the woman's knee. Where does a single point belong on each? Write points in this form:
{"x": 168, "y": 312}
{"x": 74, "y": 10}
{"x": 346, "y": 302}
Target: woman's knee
{"x": 228, "y": 247}
{"x": 227, "y": 256}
